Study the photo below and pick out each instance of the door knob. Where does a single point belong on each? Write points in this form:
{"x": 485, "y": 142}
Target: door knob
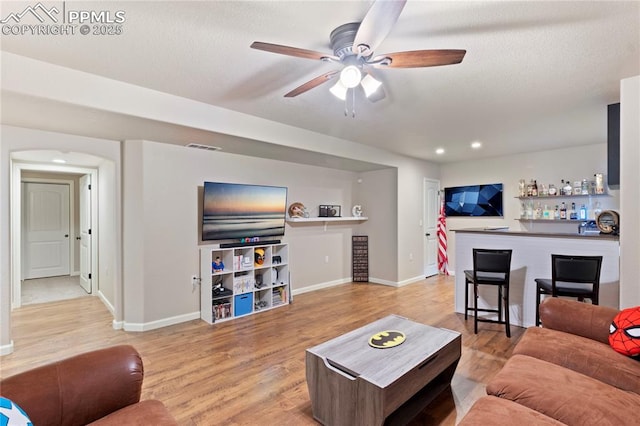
{"x": 427, "y": 234}
{"x": 66, "y": 235}
{"x": 78, "y": 238}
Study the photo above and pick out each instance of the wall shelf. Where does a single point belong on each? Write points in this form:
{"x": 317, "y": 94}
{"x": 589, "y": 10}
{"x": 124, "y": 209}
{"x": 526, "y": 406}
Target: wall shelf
{"x": 553, "y": 220}
{"x": 559, "y": 197}
{"x": 324, "y": 219}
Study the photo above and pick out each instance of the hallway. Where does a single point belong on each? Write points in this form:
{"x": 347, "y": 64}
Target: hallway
{"x": 51, "y": 289}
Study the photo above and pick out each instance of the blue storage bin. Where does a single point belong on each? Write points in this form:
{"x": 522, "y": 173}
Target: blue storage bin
{"x": 243, "y": 304}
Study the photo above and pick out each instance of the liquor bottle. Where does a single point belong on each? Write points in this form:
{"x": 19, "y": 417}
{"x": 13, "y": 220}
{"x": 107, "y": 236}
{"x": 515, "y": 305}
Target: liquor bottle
{"x": 556, "y": 213}
{"x": 567, "y": 189}
{"x": 584, "y": 188}
{"x": 597, "y": 210}
{"x": 583, "y": 212}
{"x": 546, "y": 213}
{"x": 563, "y": 211}
{"x": 534, "y": 190}
{"x": 573, "y": 214}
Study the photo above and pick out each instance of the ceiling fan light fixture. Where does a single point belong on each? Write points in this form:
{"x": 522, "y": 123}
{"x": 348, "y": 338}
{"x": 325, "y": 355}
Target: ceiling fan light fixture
{"x": 350, "y": 76}
{"x": 370, "y": 85}
{"x": 339, "y": 90}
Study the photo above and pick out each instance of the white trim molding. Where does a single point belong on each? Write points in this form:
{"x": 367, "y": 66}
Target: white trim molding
{"x": 6, "y": 349}
{"x": 129, "y": 326}
{"x": 320, "y": 286}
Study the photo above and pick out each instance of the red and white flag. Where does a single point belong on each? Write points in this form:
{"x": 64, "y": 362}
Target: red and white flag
{"x": 443, "y": 259}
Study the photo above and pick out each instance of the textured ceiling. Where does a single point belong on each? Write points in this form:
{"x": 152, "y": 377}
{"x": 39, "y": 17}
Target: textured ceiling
{"x": 536, "y": 76}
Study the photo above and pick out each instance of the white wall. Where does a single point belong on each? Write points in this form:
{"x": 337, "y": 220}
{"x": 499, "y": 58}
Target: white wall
{"x": 547, "y": 167}
{"x": 630, "y": 192}
{"x": 19, "y": 139}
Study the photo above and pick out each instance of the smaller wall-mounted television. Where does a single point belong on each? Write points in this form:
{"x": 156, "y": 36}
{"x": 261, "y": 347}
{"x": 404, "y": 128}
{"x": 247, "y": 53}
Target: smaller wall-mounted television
{"x": 236, "y": 211}
{"x": 473, "y": 200}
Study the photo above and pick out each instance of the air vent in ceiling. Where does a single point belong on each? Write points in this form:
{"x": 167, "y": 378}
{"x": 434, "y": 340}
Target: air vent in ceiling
{"x": 205, "y": 147}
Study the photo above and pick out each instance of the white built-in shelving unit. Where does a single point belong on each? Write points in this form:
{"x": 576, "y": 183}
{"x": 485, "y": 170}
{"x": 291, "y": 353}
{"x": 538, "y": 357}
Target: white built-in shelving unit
{"x": 247, "y": 284}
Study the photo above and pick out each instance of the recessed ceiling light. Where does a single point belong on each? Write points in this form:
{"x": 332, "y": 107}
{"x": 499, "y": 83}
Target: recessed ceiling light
{"x": 476, "y": 145}
{"x": 59, "y": 160}
{"x": 440, "y": 151}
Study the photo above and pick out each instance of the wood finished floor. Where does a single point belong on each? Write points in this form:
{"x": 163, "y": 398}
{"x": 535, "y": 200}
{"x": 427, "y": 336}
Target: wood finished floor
{"x": 250, "y": 371}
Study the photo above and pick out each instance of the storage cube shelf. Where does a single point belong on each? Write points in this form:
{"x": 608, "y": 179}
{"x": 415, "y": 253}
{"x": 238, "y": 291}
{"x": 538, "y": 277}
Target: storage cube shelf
{"x": 243, "y": 280}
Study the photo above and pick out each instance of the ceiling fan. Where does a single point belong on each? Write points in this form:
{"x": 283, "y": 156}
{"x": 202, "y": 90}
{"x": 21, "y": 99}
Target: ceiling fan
{"x": 353, "y": 45}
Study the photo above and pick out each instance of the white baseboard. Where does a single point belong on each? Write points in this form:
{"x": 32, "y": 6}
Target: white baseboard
{"x": 348, "y": 280}
{"x": 394, "y": 283}
{"x": 165, "y": 322}
{"x": 383, "y": 282}
{"x": 107, "y": 303}
{"x": 320, "y": 286}
{"x": 139, "y": 327}
{"x": 6, "y": 349}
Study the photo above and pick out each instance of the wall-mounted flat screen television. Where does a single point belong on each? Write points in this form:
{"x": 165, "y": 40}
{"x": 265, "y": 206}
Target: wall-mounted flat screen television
{"x": 232, "y": 211}
{"x": 473, "y": 200}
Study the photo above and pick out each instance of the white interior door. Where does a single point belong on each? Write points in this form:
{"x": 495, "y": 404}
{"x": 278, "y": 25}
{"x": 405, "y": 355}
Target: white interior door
{"x": 46, "y": 230}
{"x": 85, "y": 232}
{"x": 431, "y": 211}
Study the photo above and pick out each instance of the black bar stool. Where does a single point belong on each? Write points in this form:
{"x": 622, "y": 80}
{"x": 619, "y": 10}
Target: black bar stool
{"x": 490, "y": 267}
{"x": 571, "y": 276}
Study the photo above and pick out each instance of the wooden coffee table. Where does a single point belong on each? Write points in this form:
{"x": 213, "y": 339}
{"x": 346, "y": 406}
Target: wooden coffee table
{"x": 352, "y": 383}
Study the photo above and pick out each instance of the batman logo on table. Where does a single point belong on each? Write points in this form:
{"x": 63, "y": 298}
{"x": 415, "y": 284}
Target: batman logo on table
{"x": 386, "y": 339}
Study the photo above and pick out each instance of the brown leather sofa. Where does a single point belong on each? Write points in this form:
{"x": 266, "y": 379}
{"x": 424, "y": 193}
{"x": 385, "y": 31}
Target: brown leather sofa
{"x": 563, "y": 373}
{"x": 100, "y": 388}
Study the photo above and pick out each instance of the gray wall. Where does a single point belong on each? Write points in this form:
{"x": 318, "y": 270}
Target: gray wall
{"x": 162, "y": 222}
{"x": 378, "y": 194}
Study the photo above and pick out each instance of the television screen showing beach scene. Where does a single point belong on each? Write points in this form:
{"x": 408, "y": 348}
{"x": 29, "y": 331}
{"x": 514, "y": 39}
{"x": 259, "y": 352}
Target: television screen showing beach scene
{"x": 232, "y": 211}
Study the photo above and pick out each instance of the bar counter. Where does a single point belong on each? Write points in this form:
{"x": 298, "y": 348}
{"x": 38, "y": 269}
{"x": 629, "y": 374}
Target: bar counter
{"x": 531, "y": 259}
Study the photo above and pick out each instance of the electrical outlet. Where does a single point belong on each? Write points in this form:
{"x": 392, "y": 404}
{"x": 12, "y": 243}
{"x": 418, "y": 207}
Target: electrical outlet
{"x": 410, "y": 257}
{"x": 326, "y": 259}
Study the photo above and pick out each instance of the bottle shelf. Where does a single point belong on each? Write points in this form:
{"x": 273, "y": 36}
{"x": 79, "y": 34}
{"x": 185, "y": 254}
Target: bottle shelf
{"x": 561, "y": 197}
{"x": 553, "y": 220}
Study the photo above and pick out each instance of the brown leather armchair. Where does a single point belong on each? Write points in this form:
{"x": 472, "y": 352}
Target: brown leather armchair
{"x": 101, "y": 387}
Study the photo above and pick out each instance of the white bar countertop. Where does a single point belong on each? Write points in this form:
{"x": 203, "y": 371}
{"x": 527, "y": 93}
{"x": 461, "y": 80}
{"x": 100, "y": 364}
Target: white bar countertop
{"x": 506, "y": 231}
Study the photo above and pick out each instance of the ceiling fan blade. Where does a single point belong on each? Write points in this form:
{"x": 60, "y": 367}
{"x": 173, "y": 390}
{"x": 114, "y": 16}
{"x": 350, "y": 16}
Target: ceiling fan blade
{"x": 291, "y": 51}
{"x": 376, "y": 25}
{"x": 312, "y": 83}
{"x": 419, "y": 58}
